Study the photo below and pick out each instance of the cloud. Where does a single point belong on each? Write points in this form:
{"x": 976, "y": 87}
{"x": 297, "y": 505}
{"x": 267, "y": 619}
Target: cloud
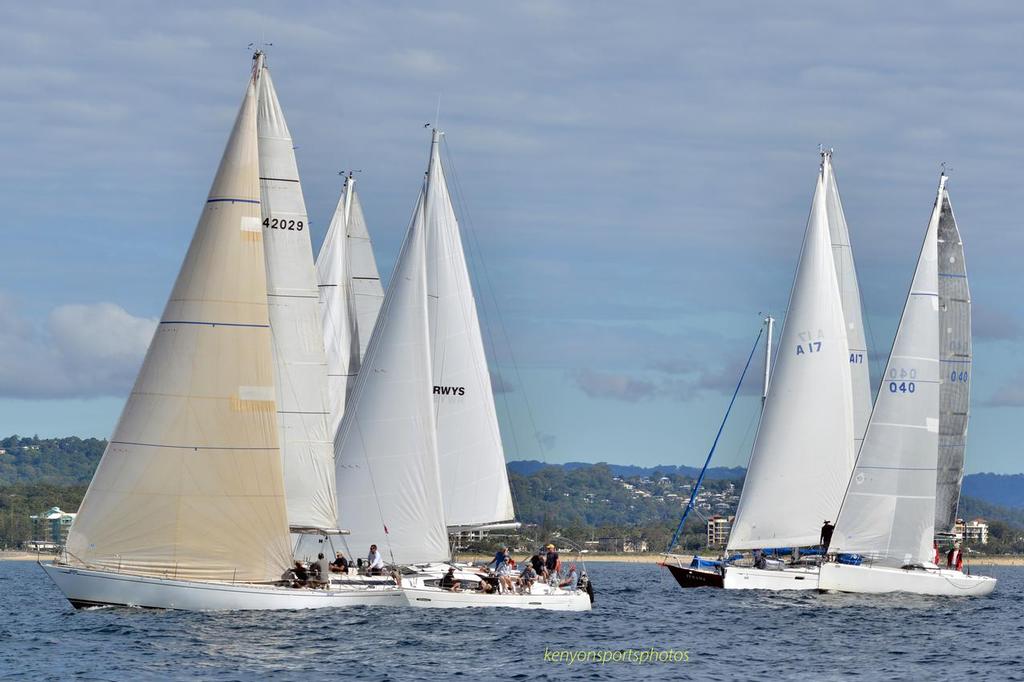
{"x": 614, "y": 386}
{"x": 81, "y": 351}
{"x": 1010, "y": 394}
{"x": 547, "y": 441}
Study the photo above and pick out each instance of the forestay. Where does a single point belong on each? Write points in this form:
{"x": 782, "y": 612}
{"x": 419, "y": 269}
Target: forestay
{"x": 389, "y": 489}
{"x": 889, "y": 510}
{"x": 297, "y": 335}
{"x": 803, "y": 452}
{"x": 350, "y": 297}
{"x": 190, "y": 485}
{"x": 849, "y": 292}
{"x": 474, "y": 477}
{"x": 955, "y": 368}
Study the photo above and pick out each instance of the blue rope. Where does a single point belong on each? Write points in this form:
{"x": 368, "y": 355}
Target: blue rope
{"x": 700, "y": 479}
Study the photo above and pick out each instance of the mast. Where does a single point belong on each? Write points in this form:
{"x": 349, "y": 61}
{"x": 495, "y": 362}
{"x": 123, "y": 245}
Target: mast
{"x": 769, "y": 324}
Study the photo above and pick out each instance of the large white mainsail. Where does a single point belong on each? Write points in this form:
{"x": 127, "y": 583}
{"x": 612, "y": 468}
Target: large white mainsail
{"x": 389, "y": 489}
{"x": 888, "y": 513}
{"x": 190, "y": 485}
{"x": 350, "y": 297}
{"x": 849, "y": 292}
{"x": 955, "y": 349}
{"x": 474, "y": 476}
{"x": 803, "y": 453}
{"x": 297, "y": 335}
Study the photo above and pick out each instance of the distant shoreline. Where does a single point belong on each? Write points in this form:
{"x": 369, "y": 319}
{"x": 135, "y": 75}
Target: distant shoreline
{"x": 596, "y": 557}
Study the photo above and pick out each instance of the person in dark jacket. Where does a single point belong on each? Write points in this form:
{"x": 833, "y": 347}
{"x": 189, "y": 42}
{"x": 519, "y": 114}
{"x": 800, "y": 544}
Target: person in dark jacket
{"x": 826, "y": 535}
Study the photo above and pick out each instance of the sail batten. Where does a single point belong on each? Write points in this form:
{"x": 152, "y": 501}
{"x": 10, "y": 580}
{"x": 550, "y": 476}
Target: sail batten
{"x": 803, "y": 452}
{"x": 474, "y": 475}
{"x": 294, "y": 311}
{"x": 191, "y": 484}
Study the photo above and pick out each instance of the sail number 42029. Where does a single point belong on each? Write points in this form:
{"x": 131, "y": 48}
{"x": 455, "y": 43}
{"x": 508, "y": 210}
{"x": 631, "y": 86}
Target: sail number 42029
{"x": 283, "y": 224}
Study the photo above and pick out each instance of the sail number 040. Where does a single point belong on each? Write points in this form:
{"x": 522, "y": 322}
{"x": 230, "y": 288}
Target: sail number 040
{"x": 283, "y": 224}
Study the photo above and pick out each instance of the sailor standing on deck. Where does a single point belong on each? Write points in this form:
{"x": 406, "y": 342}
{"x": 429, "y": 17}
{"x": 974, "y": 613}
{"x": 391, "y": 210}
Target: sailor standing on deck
{"x": 955, "y": 558}
{"x": 826, "y": 535}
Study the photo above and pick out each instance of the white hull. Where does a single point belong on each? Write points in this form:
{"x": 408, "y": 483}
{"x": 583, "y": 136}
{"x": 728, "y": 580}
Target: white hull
{"x": 541, "y": 598}
{"x": 85, "y": 587}
{"x": 881, "y": 579}
{"x": 421, "y": 591}
{"x": 789, "y": 578}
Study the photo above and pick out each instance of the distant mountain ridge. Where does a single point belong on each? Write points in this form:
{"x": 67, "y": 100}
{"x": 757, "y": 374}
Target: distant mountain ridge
{"x": 525, "y": 467}
{"x": 1004, "y": 490}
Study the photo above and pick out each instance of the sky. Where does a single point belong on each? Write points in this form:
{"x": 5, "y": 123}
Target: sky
{"x": 633, "y": 183}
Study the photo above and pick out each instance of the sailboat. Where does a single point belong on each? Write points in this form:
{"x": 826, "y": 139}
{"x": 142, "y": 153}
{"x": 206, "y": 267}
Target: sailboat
{"x": 884, "y": 533}
{"x": 350, "y": 297}
{"x": 394, "y": 487}
{"x": 804, "y": 448}
{"x": 191, "y": 504}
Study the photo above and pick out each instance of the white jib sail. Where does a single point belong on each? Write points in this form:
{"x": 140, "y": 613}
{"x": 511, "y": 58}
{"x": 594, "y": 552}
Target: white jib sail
{"x": 350, "y": 297}
{"x": 849, "y": 291}
{"x": 190, "y": 485}
{"x": 307, "y": 448}
{"x": 473, "y": 472}
{"x": 803, "y": 453}
{"x": 956, "y": 359}
{"x": 889, "y": 510}
{"x": 389, "y": 487}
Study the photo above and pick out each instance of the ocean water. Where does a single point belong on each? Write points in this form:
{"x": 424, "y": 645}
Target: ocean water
{"x": 726, "y": 636}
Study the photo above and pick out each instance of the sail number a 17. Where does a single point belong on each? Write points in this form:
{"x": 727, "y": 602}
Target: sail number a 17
{"x": 283, "y": 224}
{"x": 809, "y": 347}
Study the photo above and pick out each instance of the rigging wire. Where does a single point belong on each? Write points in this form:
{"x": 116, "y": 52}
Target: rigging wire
{"x": 707, "y": 461}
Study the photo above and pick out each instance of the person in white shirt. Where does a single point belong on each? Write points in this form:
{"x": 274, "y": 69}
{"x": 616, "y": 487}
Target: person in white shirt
{"x": 374, "y": 562}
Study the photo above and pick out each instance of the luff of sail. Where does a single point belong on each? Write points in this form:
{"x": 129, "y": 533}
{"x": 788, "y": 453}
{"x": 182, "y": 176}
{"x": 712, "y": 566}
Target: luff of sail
{"x": 297, "y": 335}
{"x": 889, "y": 510}
{"x": 190, "y": 485}
{"x": 474, "y": 476}
{"x": 849, "y": 292}
{"x": 389, "y": 487}
{"x": 803, "y": 452}
{"x": 350, "y": 297}
{"x": 956, "y": 359}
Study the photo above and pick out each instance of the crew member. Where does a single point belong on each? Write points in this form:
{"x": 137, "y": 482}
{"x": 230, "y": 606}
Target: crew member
{"x": 955, "y": 558}
{"x": 826, "y": 535}
{"x": 374, "y": 562}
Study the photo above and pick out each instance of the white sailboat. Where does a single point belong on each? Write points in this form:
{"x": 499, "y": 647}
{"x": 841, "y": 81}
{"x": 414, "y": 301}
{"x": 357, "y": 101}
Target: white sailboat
{"x": 889, "y": 511}
{"x": 350, "y": 297}
{"x": 391, "y": 483}
{"x": 804, "y": 449}
{"x": 188, "y": 508}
